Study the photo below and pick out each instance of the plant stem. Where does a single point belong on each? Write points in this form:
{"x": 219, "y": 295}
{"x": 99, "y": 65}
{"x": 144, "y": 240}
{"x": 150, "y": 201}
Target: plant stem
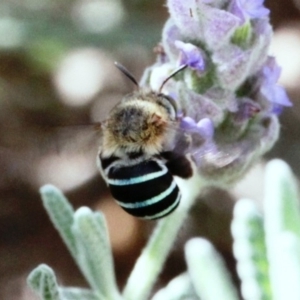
{"x": 154, "y": 255}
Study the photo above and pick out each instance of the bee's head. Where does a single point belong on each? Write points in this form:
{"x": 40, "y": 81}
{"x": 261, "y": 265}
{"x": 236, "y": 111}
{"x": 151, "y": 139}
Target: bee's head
{"x": 140, "y": 123}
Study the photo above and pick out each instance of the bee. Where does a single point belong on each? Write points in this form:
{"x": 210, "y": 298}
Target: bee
{"x": 137, "y": 158}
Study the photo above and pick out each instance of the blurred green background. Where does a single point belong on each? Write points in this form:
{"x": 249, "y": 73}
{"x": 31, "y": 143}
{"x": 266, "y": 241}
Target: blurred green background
{"x": 57, "y": 77}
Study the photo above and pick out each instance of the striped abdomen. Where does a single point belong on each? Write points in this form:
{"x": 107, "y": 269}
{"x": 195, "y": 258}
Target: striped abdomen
{"x": 145, "y": 190}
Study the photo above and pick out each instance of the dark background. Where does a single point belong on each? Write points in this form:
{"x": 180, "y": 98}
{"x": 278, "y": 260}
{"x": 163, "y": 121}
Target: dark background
{"x": 56, "y": 77}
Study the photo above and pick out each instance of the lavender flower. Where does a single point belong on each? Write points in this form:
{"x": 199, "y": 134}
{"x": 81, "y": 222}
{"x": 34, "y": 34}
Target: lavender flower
{"x": 230, "y": 85}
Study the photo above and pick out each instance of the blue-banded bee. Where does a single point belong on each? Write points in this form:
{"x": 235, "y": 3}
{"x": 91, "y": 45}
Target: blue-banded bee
{"x": 137, "y": 158}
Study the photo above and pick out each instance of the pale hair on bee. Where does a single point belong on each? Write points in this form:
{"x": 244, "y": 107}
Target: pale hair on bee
{"x": 136, "y": 158}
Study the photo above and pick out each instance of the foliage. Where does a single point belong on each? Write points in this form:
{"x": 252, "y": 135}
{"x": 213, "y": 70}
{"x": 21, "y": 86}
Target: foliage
{"x": 266, "y": 247}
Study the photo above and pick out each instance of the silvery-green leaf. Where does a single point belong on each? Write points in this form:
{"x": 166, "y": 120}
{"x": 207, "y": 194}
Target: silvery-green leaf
{"x": 43, "y": 281}
{"x": 285, "y": 267}
{"x": 250, "y": 251}
{"x": 281, "y": 204}
{"x": 282, "y": 224}
{"x": 150, "y": 263}
{"x": 94, "y": 252}
{"x": 73, "y": 293}
{"x": 210, "y": 278}
{"x": 61, "y": 214}
{"x": 179, "y": 288}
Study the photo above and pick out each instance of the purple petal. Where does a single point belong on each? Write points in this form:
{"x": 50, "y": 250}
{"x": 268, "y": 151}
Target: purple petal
{"x": 269, "y": 88}
{"x": 237, "y": 10}
{"x": 277, "y": 109}
{"x": 271, "y": 70}
{"x": 276, "y": 94}
{"x": 248, "y": 9}
{"x": 204, "y": 127}
{"x": 207, "y": 127}
{"x": 255, "y": 8}
{"x": 187, "y": 123}
{"x": 190, "y": 55}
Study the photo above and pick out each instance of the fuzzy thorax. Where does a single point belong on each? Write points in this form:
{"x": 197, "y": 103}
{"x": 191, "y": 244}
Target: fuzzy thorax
{"x": 136, "y": 125}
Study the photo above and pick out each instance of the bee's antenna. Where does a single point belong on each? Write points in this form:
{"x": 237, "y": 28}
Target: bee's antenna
{"x": 172, "y": 75}
{"x": 126, "y": 72}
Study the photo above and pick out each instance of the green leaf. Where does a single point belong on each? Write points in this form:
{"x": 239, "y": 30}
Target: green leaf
{"x": 61, "y": 214}
{"x": 95, "y": 252}
{"x": 281, "y": 204}
{"x": 43, "y": 281}
{"x": 250, "y": 251}
{"x": 282, "y": 227}
{"x": 208, "y": 272}
{"x": 150, "y": 263}
{"x": 179, "y": 288}
{"x": 285, "y": 267}
{"x": 78, "y": 294}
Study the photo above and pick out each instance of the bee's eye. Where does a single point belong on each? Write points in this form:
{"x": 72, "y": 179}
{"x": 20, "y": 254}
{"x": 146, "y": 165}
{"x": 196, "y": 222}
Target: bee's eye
{"x": 169, "y": 104}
